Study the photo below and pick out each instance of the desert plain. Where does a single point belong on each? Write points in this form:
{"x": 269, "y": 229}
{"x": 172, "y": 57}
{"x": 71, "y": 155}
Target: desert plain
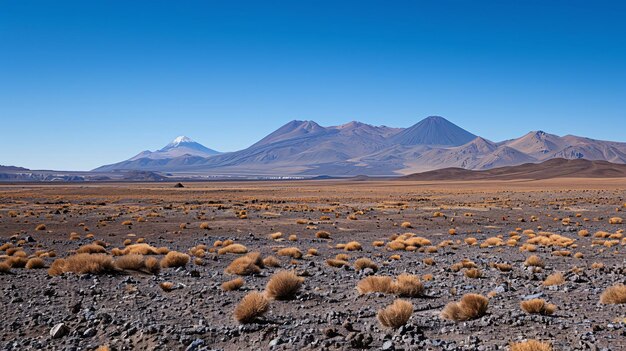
{"x": 142, "y": 266}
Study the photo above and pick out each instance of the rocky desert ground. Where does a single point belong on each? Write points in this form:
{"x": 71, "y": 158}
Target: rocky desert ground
{"x": 328, "y": 265}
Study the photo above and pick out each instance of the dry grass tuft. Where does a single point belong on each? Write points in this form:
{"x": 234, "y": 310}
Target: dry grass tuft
{"x": 531, "y": 345}
{"x": 5, "y": 268}
{"x": 374, "y": 283}
{"x": 363, "y": 263}
{"x": 251, "y": 307}
{"x": 233, "y": 249}
{"x": 353, "y": 246}
{"x": 292, "y": 252}
{"x": 246, "y": 265}
{"x": 395, "y": 315}
{"x": 538, "y": 306}
{"x": 554, "y": 279}
{"x": 35, "y": 263}
{"x": 333, "y": 262}
{"x": 271, "y": 261}
{"x": 175, "y": 259}
{"x": 615, "y": 294}
{"x": 83, "y": 263}
{"x": 167, "y": 286}
{"x": 408, "y": 285}
{"x": 534, "y": 261}
{"x": 91, "y": 248}
{"x": 406, "y": 225}
{"x": 234, "y": 284}
{"x": 473, "y": 273}
{"x": 283, "y": 285}
{"x": 322, "y": 234}
{"x": 131, "y": 262}
{"x": 41, "y": 227}
{"x": 616, "y": 220}
{"x": 470, "y": 306}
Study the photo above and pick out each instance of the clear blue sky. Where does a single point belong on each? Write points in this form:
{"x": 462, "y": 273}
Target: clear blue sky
{"x": 86, "y": 83}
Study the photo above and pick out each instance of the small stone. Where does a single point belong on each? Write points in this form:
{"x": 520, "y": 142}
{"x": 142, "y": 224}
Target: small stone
{"x": 59, "y": 331}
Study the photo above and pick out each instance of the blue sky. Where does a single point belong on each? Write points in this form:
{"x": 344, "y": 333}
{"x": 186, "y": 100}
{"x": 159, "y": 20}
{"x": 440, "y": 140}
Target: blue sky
{"x": 86, "y": 83}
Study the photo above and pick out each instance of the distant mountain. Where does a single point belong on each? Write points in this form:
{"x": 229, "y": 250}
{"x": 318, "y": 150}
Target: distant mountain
{"x": 305, "y": 148}
{"x": 434, "y": 130}
{"x": 181, "y": 152}
{"x": 554, "y": 168}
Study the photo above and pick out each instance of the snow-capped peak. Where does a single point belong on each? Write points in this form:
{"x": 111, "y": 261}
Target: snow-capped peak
{"x": 181, "y": 139}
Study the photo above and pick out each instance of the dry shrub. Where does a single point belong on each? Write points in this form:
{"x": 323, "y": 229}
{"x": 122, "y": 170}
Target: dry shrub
{"x": 83, "y": 263}
{"x": 233, "y": 249}
{"x": 251, "y": 307}
{"x": 246, "y": 265}
{"x": 337, "y": 263}
{"x": 597, "y": 265}
{"x": 271, "y": 261}
{"x": 408, "y": 285}
{"x": 374, "y": 283}
{"x": 534, "y": 261}
{"x": 615, "y": 294}
{"x": 378, "y": 243}
{"x": 312, "y": 252}
{"x": 583, "y": 232}
{"x": 471, "y": 241}
{"x": 35, "y": 263}
{"x": 275, "y": 236}
{"x": 395, "y": 315}
{"x": 140, "y": 249}
{"x": 470, "y": 306}
{"x": 283, "y": 285}
{"x": 293, "y": 237}
{"x": 493, "y": 241}
{"x": 131, "y": 262}
{"x": 473, "y": 273}
{"x": 554, "y": 279}
{"x": 292, "y": 252}
{"x": 6, "y": 246}
{"x": 396, "y": 245}
{"x": 234, "y": 284}
{"x": 395, "y": 257}
{"x": 152, "y": 265}
{"x": 175, "y": 259}
{"x": 322, "y": 234}
{"x": 452, "y": 231}
{"x": 127, "y": 223}
{"x": 167, "y": 286}
{"x": 205, "y": 225}
{"x": 406, "y": 225}
{"x": 40, "y": 227}
{"x": 616, "y": 220}
{"x": 91, "y": 248}
{"x": 5, "y": 268}
{"x": 342, "y": 257}
{"x": 363, "y": 263}
{"x": 538, "y": 306}
{"x": 353, "y": 246}
{"x": 428, "y": 261}
{"x": 531, "y": 345}
{"x": 504, "y": 267}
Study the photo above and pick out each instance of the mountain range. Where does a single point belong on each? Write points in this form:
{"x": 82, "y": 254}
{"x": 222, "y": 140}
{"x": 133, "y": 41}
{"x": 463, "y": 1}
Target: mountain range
{"x": 304, "y": 148}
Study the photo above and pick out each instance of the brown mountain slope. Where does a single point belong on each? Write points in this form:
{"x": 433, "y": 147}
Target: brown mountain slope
{"x": 554, "y": 168}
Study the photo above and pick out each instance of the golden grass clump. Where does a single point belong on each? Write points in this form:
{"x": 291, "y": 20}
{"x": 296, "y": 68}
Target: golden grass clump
{"x": 353, "y": 246}
{"x": 276, "y": 236}
{"x": 538, "y": 306}
{"x": 5, "y": 268}
{"x": 271, "y": 261}
{"x": 470, "y": 306}
{"x": 322, "y": 234}
{"x": 473, "y": 273}
{"x": 283, "y": 285}
{"x": 293, "y": 237}
{"x": 374, "y": 283}
{"x": 205, "y": 225}
{"x": 395, "y": 315}
{"x": 91, "y": 248}
{"x": 504, "y": 267}
{"x": 342, "y": 256}
{"x": 428, "y": 261}
{"x": 246, "y": 265}
{"x": 615, "y": 294}
{"x": 408, "y": 285}
{"x": 131, "y": 262}
{"x": 534, "y": 261}
{"x": 406, "y": 225}
{"x": 333, "y": 262}
{"x": 83, "y": 263}
{"x": 35, "y": 263}
{"x": 175, "y": 259}
{"x": 233, "y": 249}
{"x": 531, "y": 345}
{"x": 292, "y": 252}
{"x": 554, "y": 279}
{"x": 251, "y": 307}
{"x": 365, "y": 262}
{"x": 16, "y": 261}
{"x": 234, "y": 284}
{"x": 167, "y": 286}
{"x": 40, "y": 227}
{"x": 378, "y": 243}
{"x": 470, "y": 241}
{"x": 616, "y": 220}
{"x": 312, "y": 252}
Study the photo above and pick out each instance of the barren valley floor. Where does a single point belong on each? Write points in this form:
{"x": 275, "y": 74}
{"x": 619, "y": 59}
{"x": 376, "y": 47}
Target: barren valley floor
{"x": 457, "y": 238}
